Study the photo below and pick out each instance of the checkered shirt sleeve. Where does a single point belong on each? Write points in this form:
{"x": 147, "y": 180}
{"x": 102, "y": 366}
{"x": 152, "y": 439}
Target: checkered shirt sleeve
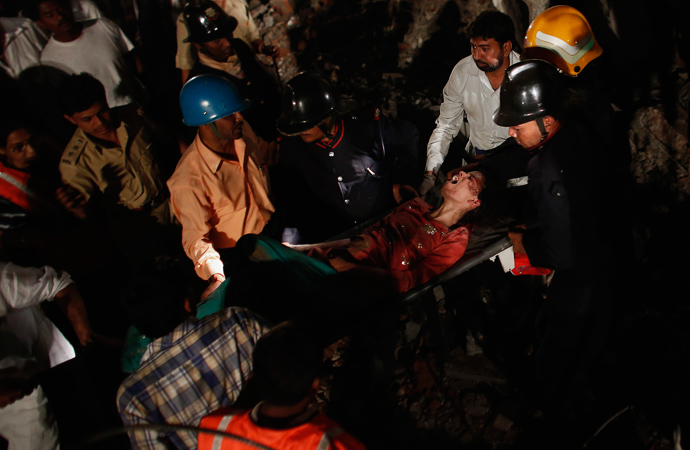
{"x": 202, "y": 365}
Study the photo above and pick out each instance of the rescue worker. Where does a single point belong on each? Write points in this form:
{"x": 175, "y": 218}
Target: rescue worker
{"x": 472, "y": 92}
{"x": 287, "y": 365}
{"x": 211, "y": 34}
{"x": 337, "y": 170}
{"x": 212, "y": 355}
{"x": 563, "y": 230}
{"x": 247, "y": 30}
{"x": 561, "y": 36}
{"x": 219, "y": 191}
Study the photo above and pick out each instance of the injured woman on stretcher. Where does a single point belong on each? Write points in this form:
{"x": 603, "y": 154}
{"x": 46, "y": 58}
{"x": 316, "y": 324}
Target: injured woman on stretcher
{"x": 408, "y": 247}
{"x": 414, "y": 243}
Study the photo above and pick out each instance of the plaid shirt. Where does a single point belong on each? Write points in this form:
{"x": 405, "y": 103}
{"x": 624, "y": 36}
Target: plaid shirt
{"x": 201, "y": 366}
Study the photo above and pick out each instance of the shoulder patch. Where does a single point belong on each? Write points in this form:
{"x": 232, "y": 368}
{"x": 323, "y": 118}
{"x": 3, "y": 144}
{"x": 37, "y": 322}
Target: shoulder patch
{"x": 73, "y": 150}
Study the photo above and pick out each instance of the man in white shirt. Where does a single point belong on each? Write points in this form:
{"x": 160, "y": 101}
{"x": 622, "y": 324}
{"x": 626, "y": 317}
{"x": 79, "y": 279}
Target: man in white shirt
{"x": 24, "y": 40}
{"x": 473, "y": 91}
{"x": 30, "y": 344}
{"x": 98, "y": 47}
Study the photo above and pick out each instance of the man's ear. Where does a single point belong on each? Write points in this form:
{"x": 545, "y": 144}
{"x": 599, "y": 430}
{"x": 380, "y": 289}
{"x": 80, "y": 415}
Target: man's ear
{"x": 474, "y": 203}
{"x": 507, "y": 47}
{"x": 549, "y": 122}
{"x": 69, "y": 119}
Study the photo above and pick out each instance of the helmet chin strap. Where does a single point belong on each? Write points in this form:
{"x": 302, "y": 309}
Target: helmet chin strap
{"x": 215, "y": 130}
{"x": 542, "y": 128}
{"x": 327, "y": 127}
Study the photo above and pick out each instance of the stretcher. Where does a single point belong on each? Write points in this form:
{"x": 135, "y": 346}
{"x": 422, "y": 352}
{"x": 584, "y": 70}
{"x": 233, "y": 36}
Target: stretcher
{"x": 488, "y": 248}
{"x": 425, "y": 292}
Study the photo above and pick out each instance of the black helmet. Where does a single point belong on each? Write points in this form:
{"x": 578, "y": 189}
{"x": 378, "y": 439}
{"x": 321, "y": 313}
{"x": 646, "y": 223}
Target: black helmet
{"x": 309, "y": 99}
{"x": 531, "y": 89}
{"x": 206, "y": 21}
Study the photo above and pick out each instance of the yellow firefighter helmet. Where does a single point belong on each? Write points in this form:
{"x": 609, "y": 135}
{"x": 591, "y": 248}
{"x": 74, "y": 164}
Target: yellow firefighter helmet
{"x": 562, "y": 36}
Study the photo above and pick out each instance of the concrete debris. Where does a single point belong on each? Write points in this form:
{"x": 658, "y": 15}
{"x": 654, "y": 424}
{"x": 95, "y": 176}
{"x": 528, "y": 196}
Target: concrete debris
{"x": 659, "y": 152}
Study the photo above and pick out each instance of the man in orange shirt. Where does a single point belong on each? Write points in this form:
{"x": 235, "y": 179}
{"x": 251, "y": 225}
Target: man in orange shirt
{"x": 219, "y": 191}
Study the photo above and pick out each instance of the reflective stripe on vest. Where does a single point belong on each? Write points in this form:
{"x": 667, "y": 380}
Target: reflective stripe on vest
{"x": 222, "y": 426}
{"x": 16, "y": 192}
{"x": 221, "y": 423}
{"x": 325, "y": 442}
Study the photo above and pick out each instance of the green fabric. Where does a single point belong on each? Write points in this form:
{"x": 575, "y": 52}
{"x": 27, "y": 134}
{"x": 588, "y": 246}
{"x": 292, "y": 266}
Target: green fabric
{"x": 268, "y": 249}
{"x": 133, "y": 350}
{"x": 214, "y": 302}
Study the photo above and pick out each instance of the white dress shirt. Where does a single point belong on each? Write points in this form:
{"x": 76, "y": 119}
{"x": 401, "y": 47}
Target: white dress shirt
{"x": 469, "y": 92}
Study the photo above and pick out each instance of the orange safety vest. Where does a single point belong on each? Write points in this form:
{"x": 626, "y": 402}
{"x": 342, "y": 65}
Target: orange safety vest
{"x": 13, "y": 187}
{"x": 318, "y": 433}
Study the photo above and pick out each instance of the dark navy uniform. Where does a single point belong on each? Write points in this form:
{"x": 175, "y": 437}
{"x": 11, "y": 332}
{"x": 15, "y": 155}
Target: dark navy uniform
{"x": 326, "y": 188}
{"x": 565, "y": 231}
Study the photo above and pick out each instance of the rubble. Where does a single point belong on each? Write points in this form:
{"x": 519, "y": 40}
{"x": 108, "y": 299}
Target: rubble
{"x": 461, "y": 395}
{"x": 659, "y": 152}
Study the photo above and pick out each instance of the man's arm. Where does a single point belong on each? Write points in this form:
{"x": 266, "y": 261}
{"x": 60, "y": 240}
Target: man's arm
{"x": 549, "y": 242}
{"x": 22, "y": 287}
{"x": 72, "y": 306}
{"x": 193, "y": 210}
{"x": 133, "y": 412}
{"x": 448, "y": 123}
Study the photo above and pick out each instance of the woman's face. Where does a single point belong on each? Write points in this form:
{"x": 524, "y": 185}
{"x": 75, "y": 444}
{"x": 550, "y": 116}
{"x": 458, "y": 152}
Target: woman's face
{"x": 18, "y": 152}
{"x": 464, "y": 188}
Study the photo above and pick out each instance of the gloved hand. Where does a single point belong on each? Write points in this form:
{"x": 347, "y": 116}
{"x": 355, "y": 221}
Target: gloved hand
{"x": 427, "y": 183}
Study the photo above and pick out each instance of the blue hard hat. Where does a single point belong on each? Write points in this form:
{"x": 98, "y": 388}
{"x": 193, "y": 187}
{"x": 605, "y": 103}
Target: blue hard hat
{"x": 207, "y": 98}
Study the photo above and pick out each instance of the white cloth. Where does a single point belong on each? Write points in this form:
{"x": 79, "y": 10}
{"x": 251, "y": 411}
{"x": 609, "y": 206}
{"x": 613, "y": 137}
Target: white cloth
{"x": 27, "y": 334}
{"x": 23, "y": 44}
{"x": 27, "y": 424}
{"x": 468, "y": 91}
{"x": 100, "y": 51}
{"x": 85, "y": 10}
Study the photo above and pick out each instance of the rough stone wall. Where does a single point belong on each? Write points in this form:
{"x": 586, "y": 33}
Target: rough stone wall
{"x": 425, "y": 15}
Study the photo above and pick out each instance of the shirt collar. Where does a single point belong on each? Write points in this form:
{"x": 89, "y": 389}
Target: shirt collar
{"x": 337, "y": 135}
{"x": 213, "y": 160}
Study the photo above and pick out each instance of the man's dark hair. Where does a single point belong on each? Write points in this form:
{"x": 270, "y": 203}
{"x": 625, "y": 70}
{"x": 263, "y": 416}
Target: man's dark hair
{"x": 493, "y": 24}
{"x": 30, "y": 8}
{"x": 78, "y": 93}
{"x": 286, "y": 363}
{"x": 154, "y": 297}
